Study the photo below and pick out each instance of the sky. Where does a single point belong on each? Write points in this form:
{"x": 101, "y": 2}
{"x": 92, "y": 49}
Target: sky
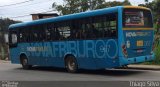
{"x": 22, "y": 10}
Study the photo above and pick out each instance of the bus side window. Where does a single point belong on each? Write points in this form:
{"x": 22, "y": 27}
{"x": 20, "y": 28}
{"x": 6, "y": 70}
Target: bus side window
{"x": 91, "y": 31}
{"x": 110, "y": 25}
{"x": 81, "y": 28}
{"x": 49, "y": 32}
{"x": 42, "y": 33}
{"x": 60, "y": 29}
{"x": 75, "y": 30}
{"x": 35, "y": 34}
{"x": 64, "y": 30}
{"x": 31, "y": 34}
{"x": 52, "y": 32}
{"x": 13, "y": 39}
{"x": 22, "y": 35}
{"x": 27, "y": 36}
{"x": 39, "y": 33}
{"x": 88, "y": 28}
{"x": 57, "y": 34}
{"x": 97, "y": 26}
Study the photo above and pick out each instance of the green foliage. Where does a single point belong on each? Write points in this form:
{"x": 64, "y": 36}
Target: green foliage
{"x": 157, "y": 53}
{"x": 76, "y": 6}
{"x": 155, "y": 7}
{"x": 126, "y": 2}
{"x": 117, "y": 3}
{"x": 146, "y": 0}
{"x": 4, "y": 24}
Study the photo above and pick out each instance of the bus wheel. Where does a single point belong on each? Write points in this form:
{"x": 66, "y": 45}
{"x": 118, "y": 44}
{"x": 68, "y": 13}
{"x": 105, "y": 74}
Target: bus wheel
{"x": 24, "y": 62}
{"x": 71, "y": 64}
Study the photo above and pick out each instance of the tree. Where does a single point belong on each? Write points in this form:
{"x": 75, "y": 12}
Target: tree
{"x": 76, "y": 6}
{"x": 4, "y": 24}
{"x": 146, "y": 0}
{"x": 157, "y": 7}
{"x": 96, "y": 4}
{"x": 117, "y": 3}
{"x": 126, "y": 2}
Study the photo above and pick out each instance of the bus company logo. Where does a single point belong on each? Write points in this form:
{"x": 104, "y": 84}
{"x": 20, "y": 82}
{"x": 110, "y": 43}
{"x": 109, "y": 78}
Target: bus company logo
{"x": 131, "y": 34}
{"x": 89, "y": 48}
{"x": 34, "y": 49}
{"x": 134, "y": 34}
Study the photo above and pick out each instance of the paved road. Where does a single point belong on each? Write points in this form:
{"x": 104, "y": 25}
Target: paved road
{"x": 14, "y": 72}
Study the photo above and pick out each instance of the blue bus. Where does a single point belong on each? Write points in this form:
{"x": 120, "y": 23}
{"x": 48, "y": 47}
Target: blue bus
{"x": 105, "y": 38}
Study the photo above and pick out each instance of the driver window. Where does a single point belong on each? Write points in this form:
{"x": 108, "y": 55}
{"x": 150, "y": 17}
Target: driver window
{"x": 14, "y": 38}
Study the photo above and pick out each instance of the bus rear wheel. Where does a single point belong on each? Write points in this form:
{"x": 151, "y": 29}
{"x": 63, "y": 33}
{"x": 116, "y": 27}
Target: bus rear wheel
{"x": 71, "y": 64}
{"x": 24, "y": 62}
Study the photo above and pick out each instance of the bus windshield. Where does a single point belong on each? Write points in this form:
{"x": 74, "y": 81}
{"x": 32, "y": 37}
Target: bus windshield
{"x": 136, "y": 18}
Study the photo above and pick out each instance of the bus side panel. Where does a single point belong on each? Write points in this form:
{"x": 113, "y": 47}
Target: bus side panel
{"x": 90, "y": 54}
{"x": 14, "y": 55}
{"x": 56, "y": 53}
{"x": 44, "y": 53}
{"x": 34, "y": 53}
{"x": 59, "y": 50}
{"x": 110, "y": 50}
{"x": 97, "y": 54}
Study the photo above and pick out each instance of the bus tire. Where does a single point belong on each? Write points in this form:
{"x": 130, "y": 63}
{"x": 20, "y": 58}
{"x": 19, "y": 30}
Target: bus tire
{"x": 24, "y": 62}
{"x": 71, "y": 64}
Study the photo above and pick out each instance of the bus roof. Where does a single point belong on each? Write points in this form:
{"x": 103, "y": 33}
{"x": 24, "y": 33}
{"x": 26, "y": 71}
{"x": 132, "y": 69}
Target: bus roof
{"x": 136, "y": 7}
{"x": 72, "y": 16}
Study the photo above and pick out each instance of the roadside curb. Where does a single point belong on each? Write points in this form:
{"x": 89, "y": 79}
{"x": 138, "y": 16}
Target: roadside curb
{"x": 140, "y": 67}
{"x": 4, "y": 61}
{"x": 144, "y": 67}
